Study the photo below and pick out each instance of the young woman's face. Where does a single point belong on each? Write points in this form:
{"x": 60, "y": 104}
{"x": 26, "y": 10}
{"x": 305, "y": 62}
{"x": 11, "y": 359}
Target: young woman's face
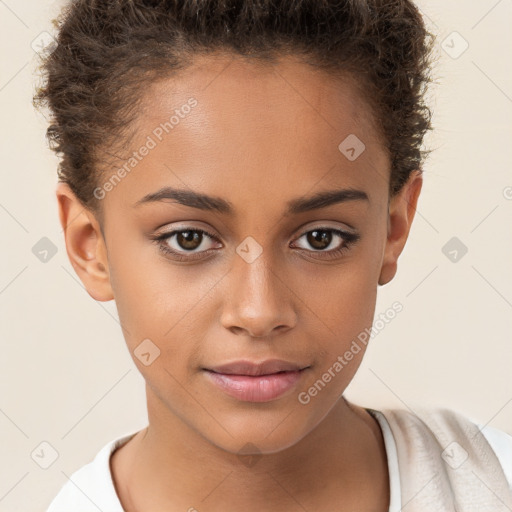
{"x": 280, "y": 275}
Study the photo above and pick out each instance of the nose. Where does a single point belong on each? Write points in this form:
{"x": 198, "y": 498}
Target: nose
{"x": 258, "y": 301}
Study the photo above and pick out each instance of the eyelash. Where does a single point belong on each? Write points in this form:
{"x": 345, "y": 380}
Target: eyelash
{"x": 349, "y": 240}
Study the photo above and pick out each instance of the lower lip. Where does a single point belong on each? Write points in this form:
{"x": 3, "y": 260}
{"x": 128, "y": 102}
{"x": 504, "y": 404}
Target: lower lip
{"x": 261, "y": 388}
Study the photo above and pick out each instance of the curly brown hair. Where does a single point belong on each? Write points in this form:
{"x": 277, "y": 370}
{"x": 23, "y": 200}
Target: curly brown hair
{"x": 108, "y": 50}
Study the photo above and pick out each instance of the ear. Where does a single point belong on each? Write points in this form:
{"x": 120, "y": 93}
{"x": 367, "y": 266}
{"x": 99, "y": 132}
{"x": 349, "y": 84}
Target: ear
{"x": 401, "y": 212}
{"x": 85, "y": 245}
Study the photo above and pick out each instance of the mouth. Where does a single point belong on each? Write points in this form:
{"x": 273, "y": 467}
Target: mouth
{"x": 264, "y": 387}
{"x": 252, "y": 369}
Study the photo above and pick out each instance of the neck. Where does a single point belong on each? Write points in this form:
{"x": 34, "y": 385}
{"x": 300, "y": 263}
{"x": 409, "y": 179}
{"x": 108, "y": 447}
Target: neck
{"x": 172, "y": 465}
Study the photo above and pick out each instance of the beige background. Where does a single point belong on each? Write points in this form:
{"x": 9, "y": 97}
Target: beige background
{"x": 65, "y": 375}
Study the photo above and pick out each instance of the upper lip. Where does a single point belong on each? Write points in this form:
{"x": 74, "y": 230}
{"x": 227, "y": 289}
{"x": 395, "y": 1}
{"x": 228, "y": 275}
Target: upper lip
{"x": 263, "y": 368}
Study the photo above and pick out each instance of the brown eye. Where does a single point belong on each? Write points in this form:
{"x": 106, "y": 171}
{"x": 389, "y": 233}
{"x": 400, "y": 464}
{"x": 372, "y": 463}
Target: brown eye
{"x": 187, "y": 244}
{"x": 189, "y": 240}
{"x": 327, "y": 242}
{"x": 319, "y": 239}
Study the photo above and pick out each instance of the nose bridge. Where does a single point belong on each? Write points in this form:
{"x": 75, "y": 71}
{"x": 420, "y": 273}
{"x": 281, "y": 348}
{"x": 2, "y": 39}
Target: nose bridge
{"x": 258, "y": 301}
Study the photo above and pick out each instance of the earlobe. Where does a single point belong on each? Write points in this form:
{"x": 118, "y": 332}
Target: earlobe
{"x": 84, "y": 244}
{"x": 401, "y": 213}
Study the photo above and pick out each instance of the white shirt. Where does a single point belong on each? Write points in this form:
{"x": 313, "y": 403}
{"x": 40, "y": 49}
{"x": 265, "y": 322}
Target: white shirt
{"x": 91, "y": 487}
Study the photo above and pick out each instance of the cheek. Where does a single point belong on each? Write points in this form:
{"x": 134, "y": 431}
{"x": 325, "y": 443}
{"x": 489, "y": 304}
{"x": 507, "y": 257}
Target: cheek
{"x": 342, "y": 297}
{"x": 159, "y": 300}
{"x": 341, "y": 304}
{"x": 346, "y": 313}
{"x": 143, "y": 296}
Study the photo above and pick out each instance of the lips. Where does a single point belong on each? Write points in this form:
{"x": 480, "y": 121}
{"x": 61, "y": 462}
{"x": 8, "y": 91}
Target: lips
{"x": 256, "y": 382}
{"x": 268, "y": 367}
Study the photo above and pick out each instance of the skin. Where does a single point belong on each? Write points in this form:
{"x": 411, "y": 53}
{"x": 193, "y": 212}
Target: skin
{"x": 260, "y": 136}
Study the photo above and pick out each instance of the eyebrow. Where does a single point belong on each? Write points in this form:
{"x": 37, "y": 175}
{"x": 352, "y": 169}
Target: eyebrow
{"x": 210, "y": 203}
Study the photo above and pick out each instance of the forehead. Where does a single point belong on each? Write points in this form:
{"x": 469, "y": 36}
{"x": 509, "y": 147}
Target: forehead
{"x": 226, "y": 123}
{"x": 245, "y": 92}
